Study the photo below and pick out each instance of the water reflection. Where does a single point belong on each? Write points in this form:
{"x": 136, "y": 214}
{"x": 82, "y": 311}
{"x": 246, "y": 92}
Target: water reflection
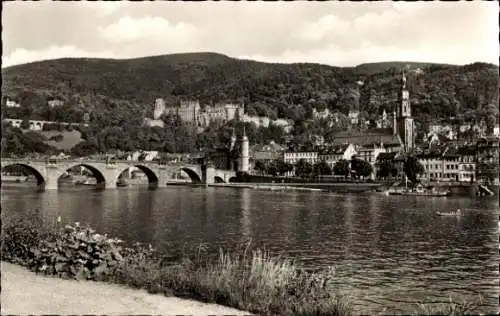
{"x": 246, "y": 221}
{"x": 389, "y": 252}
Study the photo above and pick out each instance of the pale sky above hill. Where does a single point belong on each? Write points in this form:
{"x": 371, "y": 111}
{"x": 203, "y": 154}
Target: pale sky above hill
{"x": 334, "y": 33}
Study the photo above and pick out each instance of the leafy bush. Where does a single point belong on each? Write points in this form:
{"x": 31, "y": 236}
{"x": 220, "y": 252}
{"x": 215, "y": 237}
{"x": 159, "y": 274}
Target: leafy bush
{"x": 57, "y": 138}
{"x": 72, "y": 252}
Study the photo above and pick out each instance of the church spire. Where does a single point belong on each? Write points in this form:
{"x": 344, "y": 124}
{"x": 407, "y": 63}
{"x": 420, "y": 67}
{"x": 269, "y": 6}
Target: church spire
{"x": 233, "y": 141}
{"x": 244, "y": 134}
{"x": 403, "y": 78}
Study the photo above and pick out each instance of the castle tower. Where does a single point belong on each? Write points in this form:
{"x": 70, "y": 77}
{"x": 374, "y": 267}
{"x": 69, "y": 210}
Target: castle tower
{"x": 244, "y": 153}
{"x": 404, "y": 120}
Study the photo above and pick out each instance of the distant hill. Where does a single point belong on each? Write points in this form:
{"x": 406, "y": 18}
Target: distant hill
{"x": 372, "y": 68}
{"x": 128, "y": 88}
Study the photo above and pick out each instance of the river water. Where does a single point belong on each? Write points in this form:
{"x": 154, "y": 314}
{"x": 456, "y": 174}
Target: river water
{"x": 389, "y": 252}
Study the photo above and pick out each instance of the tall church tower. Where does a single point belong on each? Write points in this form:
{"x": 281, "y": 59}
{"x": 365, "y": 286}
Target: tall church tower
{"x": 404, "y": 120}
{"x": 244, "y": 153}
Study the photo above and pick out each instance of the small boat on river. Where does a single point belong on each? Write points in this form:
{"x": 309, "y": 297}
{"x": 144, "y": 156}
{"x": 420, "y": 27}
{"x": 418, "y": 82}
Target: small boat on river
{"x": 456, "y": 213}
{"x": 418, "y": 191}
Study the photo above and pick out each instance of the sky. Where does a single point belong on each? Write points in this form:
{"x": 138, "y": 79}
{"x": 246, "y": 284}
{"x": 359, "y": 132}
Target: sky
{"x": 333, "y": 33}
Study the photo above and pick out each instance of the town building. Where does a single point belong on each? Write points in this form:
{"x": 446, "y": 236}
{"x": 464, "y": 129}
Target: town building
{"x": 336, "y": 153}
{"x": 487, "y": 159}
{"x": 395, "y": 158}
{"x": 259, "y": 121}
{"x": 353, "y": 116}
{"x": 370, "y": 154}
{"x": 383, "y": 121}
{"x": 467, "y": 164}
{"x": 293, "y": 157}
{"x": 12, "y": 104}
{"x": 55, "y": 103}
{"x": 451, "y": 164}
{"x": 317, "y": 115}
{"x": 267, "y": 153}
{"x": 496, "y": 131}
{"x": 433, "y": 166}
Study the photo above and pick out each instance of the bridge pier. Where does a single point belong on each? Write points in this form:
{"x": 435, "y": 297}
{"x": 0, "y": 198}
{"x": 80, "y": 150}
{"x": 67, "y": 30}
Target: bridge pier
{"x": 110, "y": 184}
{"x": 209, "y": 175}
{"x": 50, "y": 183}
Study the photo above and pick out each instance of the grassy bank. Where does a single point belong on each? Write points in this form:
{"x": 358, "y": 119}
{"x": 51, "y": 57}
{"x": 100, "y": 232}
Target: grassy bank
{"x": 249, "y": 280}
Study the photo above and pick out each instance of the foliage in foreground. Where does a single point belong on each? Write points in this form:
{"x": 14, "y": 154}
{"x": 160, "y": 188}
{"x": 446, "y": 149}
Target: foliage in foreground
{"x": 70, "y": 252}
{"x": 453, "y": 308}
{"x": 258, "y": 282}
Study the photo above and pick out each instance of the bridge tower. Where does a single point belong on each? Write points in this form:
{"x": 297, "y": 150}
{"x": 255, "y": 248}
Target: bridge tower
{"x": 244, "y": 153}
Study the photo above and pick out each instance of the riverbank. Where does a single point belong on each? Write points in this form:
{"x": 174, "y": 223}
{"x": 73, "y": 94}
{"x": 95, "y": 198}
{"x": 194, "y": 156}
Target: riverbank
{"x": 333, "y": 187}
{"x": 25, "y": 292}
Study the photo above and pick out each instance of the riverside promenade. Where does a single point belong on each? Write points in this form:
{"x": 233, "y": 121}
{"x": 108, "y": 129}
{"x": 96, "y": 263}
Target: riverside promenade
{"x": 27, "y": 293}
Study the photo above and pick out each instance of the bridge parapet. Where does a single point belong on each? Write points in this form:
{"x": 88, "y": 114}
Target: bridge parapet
{"x": 107, "y": 172}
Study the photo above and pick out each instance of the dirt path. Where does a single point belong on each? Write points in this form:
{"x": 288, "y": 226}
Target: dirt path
{"x": 24, "y": 292}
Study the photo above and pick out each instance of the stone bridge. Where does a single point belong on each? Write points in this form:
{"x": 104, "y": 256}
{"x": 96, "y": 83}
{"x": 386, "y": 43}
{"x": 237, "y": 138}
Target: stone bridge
{"x": 48, "y": 171}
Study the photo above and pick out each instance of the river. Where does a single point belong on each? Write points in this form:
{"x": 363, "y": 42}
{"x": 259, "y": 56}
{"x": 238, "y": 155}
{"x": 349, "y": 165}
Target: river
{"x": 389, "y": 252}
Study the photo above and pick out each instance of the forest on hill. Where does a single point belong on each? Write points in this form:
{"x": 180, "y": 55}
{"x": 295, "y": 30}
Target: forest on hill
{"x": 119, "y": 93}
{"x": 274, "y": 90}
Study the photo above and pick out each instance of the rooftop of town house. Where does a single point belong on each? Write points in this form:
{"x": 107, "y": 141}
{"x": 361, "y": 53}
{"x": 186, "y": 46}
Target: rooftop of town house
{"x": 272, "y": 146}
{"x": 468, "y": 150}
{"x": 387, "y": 156}
{"x": 369, "y": 147}
{"x": 451, "y": 152}
{"x": 334, "y": 150}
{"x": 430, "y": 155}
{"x": 363, "y": 138}
{"x": 265, "y": 155}
{"x": 488, "y": 140}
{"x": 440, "y": 137}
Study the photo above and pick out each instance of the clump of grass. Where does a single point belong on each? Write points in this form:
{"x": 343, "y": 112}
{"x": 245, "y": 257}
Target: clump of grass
{"x": 454, "y": 307}
{"x": 258, "y": 283}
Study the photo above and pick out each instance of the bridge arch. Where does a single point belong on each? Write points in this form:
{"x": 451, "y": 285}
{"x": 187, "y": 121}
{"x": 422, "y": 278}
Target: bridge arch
{"x": 233, "y": 179}
{"x": 193, "y": 175}
{"x": 98, "y": 174}
{"x": 40, "y": 179}
{"x": 153, "y": 178}
{"x": 218, "y": 179}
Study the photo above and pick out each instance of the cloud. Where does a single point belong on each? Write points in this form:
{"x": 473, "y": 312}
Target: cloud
{"x": 337, "y": 33}
{"x": 104, "y": 8}
{"x": 128, "y": 29}
{"x": 21, "y": 56}
{"x": 327, "y": 25}
{"x": 368, "y": 51}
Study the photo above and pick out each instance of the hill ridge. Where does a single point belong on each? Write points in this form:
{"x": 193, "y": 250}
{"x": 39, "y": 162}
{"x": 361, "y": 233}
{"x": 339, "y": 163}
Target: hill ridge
{"x": 267, "y": 89}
